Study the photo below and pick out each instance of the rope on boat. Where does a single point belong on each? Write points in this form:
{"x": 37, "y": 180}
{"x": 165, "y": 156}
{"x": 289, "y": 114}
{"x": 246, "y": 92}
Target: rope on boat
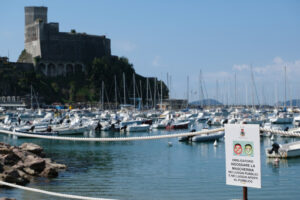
{"x": 50, "y": 193}
{"x": 279, "y": 132}
{"x": 118, "y": 139}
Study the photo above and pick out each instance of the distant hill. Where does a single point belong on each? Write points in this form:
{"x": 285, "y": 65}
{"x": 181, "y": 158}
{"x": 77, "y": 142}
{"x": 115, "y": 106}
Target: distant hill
{"x": 295, "y": 102}
{"x": 206, "y": 102}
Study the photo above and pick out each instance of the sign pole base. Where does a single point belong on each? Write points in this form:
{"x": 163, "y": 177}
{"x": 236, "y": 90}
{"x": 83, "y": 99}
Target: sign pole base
{"x": 245, "y": 193}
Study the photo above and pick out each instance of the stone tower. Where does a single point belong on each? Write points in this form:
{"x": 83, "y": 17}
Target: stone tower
{"x": 33, "y": 17}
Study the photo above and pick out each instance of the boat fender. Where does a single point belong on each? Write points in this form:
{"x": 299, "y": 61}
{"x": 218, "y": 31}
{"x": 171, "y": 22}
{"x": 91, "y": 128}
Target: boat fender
{"x": 193, "y": 130}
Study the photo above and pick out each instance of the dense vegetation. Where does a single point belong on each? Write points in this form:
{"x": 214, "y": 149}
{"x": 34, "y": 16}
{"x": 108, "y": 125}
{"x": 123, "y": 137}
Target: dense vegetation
{"x": 80, "y": 87}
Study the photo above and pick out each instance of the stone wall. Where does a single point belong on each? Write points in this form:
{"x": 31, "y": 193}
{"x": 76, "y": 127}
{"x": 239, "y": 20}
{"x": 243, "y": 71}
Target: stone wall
{"x": 51, "y": 68}
{"x": 60, "y": 51}
{"x": 74, "y": 47}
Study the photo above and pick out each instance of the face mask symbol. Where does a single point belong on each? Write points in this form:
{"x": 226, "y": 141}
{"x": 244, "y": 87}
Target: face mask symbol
{"x": 238, "y": 149}
{"x": 248, "y": 149}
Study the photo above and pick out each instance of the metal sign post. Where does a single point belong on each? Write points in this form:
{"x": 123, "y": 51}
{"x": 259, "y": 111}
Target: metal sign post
{"x": 245, "y": 193}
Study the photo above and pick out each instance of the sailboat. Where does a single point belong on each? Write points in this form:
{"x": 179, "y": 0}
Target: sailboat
{"x": 283, "y": 117}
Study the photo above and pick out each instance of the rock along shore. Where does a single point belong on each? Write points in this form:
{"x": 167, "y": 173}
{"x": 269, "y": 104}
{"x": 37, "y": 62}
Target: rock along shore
{"x": 19, "y": 165}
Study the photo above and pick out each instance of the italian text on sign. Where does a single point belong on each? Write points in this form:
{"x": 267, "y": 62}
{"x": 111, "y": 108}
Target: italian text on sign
{"x": 242, "y": 147}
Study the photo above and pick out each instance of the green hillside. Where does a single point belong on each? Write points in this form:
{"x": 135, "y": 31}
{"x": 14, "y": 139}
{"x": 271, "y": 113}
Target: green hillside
{"x": 80, "y": 87}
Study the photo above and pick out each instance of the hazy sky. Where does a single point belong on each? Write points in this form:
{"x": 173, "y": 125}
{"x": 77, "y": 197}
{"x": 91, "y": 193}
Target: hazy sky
{"x": 181, "y": 38}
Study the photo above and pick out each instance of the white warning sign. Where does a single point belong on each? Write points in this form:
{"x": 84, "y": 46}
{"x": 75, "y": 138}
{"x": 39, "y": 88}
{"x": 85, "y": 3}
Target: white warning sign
{"x": 242, "y": 147}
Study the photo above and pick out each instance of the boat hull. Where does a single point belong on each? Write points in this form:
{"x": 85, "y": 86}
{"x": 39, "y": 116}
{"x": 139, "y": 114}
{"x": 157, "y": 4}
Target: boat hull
{"x": 285, "y": 151}
{"x": 178, "y": 126}
{"x": 138, "y": 128}
{"x": 207, "y": 138}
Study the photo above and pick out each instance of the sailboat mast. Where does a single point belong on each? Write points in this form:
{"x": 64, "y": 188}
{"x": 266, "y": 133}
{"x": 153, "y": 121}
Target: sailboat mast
{"x": 217, "y": 90}
{"x": 284, "y": 86}
{"x": 199, "y": 82}
{"x": 201, "y": 99}
{"x": 124, "y": 88}
{"x": 133, "y": 78}
{"x": 141, "y": 91}
{"x": 168, "y": 84}
{"x": 31, "y": 97}
{"x": 276, "y": 96}
{"x": 102, "y": 95}
{"x": 235, "y": 97}
{"x": 154, "y": 104}
{"x": 161, "y": 96}
{"x": 116, "y": 98}
{"x": 147, "y": 93}
{"x": 187, "y": 91}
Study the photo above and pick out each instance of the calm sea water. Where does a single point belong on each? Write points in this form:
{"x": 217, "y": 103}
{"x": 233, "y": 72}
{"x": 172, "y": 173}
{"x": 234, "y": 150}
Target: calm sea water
{"x": 146, "y": 170}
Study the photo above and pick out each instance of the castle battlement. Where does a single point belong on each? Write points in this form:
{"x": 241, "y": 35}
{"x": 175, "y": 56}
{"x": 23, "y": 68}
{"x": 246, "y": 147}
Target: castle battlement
{"x": 51, "y": 50}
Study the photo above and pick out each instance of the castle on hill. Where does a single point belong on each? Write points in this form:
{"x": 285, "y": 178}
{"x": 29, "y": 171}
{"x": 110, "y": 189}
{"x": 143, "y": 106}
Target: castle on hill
{"x": 58, "y": 53}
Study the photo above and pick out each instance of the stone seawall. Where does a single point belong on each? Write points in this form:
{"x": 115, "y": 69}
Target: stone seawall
{"x": 19, "y": 165}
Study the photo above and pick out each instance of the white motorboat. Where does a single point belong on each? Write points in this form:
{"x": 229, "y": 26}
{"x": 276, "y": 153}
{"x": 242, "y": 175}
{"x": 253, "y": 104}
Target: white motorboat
{"x": 297, "y": 120}
{"x": 208, "y": 137}
{"x": 161, "y": 124}
{"x": 282, "y": 118}
{"x": 70, "y": 130}
{"x": 284, "y": 151}
{"x": 138, "y": 128}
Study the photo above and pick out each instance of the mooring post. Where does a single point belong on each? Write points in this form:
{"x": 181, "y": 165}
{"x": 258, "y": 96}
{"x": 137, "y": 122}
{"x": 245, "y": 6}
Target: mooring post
{"x": 245, "y": 193}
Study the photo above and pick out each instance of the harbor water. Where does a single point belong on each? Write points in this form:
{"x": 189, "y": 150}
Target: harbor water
{"x": 146, "y": 170}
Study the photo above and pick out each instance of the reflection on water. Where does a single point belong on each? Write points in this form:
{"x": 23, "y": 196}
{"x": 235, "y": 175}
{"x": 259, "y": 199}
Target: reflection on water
{"x": 275, "y": 162}
{"x": 149, "y": 170}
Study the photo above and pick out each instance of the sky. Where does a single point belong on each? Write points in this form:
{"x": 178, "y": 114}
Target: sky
{"x": 223, "y": 39}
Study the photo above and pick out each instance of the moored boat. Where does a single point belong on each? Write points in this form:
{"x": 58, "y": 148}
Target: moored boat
{"x": 180, "y": 125}
{"x": 138, "y": 128}
{"x": 208, "y": 137}
{"x": 284, "y": 151}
